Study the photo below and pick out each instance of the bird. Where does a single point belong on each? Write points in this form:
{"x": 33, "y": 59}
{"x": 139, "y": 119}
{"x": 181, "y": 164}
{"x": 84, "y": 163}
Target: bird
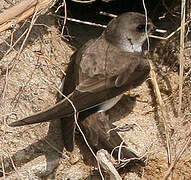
{"x": 98, "y": 74}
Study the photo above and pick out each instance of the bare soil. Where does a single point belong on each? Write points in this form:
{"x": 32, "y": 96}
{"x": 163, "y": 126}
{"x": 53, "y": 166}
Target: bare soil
{"x": 29, "y": 83}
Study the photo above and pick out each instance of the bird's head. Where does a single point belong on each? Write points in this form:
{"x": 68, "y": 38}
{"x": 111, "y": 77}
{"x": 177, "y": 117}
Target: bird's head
{"x": 129, "y": 31}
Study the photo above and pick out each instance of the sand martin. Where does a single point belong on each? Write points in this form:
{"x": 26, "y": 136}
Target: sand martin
{"x": 97, "y": 75}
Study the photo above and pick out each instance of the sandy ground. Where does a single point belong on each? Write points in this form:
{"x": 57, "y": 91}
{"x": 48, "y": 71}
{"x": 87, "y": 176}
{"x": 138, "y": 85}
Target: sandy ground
{"x": 28, "y": 84}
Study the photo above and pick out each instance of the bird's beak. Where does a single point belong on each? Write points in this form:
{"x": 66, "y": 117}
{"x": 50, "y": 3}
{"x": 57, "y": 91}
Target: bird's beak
{"x": 153, "y": 30}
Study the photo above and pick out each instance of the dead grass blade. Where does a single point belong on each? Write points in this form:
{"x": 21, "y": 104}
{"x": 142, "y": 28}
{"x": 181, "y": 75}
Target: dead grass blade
{"x": 181, "y": 56}
{"x": 162, "y": 108}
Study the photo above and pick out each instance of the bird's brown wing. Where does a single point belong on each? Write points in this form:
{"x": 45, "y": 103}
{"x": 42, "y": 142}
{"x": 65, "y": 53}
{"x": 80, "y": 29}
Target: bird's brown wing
{"x": 83, "y": 100}
{"x": 101, "y": 72}
{"x": 95, "y": 126}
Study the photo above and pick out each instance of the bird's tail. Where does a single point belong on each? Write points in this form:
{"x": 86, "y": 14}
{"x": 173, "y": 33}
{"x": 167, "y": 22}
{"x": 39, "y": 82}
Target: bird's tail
{"x": 57, "y": 111}
{"x": 68, "y": 130}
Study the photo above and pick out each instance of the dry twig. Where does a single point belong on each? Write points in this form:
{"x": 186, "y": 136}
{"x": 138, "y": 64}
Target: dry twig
{"x": 163, "y": 109}
{"x": 177, "y": 159}
{"x": 159, "y": 97}
{"x": 21, "y": 11}
{"x": 13, "y": 164}
{"x": 66, "y": 98}
{"x": 9, "y": 2}
{"x": 105, "y": 162}
{"x": 181, "y": 57}
{"x": 82, "y": 22}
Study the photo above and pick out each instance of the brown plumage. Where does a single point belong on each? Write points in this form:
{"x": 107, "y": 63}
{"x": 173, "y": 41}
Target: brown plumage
{"x": 100, "y": 70}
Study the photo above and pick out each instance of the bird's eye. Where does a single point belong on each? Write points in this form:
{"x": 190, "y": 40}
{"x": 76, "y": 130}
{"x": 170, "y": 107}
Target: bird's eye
{"x": 141, "y": 28}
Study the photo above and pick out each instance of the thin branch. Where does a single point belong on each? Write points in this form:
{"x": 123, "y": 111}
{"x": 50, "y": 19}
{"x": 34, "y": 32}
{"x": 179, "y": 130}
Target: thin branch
{"x": 170, "y": 35}
{"x": 82, "y": 22}
{"x": 53, "y": 147}
{"x": 181, "y": 57}
{"x": 65, "y": 14}
{"x": 106, "y": 163}
{"x": 163, "y": 109}
{"x": 146, "y": 20}
{"x": 107, "y": 14}
{"x": 17, "y": 57}
{"x": 12, "y": 47}
{"x": 173, "y": 13}
{"x": 14, "y": 167}
{"x": 76, "y": 121}
{"x": 34, "y": 18}
{"x": 177, "y": 159}
{"x": 159, "y": 97}
{"x": 9, "y": 2}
